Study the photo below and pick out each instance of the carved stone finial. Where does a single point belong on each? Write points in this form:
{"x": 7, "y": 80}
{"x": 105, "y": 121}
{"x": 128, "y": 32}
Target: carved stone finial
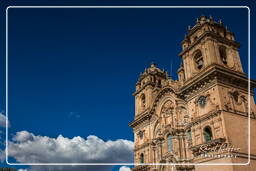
{"x": 152, "y": 65}
{"x": 211, "y": 19}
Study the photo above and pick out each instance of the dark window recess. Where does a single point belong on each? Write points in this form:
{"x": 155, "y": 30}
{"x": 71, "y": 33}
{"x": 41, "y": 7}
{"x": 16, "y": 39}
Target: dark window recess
{"x": 141, "y": 158}
{"x": 199, "y": 60}
{"x": 223, "y": 54}
{"x": 207, "y": 134}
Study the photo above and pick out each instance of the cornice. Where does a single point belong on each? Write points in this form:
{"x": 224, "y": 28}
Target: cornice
{"x": 140, "y": 119}
{"x": 213, "y": 35}
{"x": 220, "y": 74}
{"x": 215, "y": 113}
{"x": 152, "y": 73}
{"x": 139, "y": 147}
{"x": 208, "y": 73}
{"x": 202, "y": 118}
{"x": 214, "y": 72}
{"x": 244, "y": 114}
{"x": 145, "y": 85}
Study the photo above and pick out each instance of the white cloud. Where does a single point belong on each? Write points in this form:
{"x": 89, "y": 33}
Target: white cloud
{"x": 27, "y": 147}
{"x": 70, "y": 168}
{"x": 23, "y": 136}
{"x": 3, "y": 121}
{"x": 124, "y": 168}
{"x": 23, "y": 170}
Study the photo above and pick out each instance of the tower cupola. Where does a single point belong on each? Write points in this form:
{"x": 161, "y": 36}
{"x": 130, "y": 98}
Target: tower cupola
{"x": 209, "y": 43}
{"x": 151, "y": 80}
{"x": 151, "y": 76}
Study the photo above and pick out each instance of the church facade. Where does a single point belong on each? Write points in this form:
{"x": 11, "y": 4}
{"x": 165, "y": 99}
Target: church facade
{"x": 203, "y": 116}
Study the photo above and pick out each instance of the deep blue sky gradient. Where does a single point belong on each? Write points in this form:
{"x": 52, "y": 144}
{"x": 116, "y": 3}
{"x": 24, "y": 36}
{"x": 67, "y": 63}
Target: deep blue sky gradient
{"x": 73, "y": 71}
{"x": 87, "y": 61}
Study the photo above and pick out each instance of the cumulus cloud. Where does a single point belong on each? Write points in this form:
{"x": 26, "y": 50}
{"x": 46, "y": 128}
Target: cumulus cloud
{"x": 70, "y": 168}
{"x": 27, "y": 147}
{"x": 124, "y": 168}
{"x": 23, "y": 136}
{"x": 3, "y": 120}
{"x": 74, "y": 168}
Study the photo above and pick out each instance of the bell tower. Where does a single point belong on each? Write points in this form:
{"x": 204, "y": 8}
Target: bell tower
{"x": 207, "y": 43}
{"x": 151, "y": 80}
{"x": 147, "y": 87}
{"x": 216, "y": 93}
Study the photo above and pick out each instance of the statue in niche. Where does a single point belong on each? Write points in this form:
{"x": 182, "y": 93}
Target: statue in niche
{"x": 167, "y": 112}
{"x": 182, "y": 115}
{"x": 227, "y": 103}
{"x": 244, "y": 100}
{"x": 236, "y": 97}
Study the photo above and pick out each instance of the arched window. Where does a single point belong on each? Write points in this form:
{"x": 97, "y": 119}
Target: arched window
{"x": 189, "y": 135}
{"x": 169, "y": 143}
{"x": 207, "y": 134}
{"x": 159, "y": 83}
{"x": 141, "y": 158}
{"x": 223, "y": 54}
{"x": 143, "y": 101}
{"x": 199, "y": 60}
{"x": 195, "y": 38}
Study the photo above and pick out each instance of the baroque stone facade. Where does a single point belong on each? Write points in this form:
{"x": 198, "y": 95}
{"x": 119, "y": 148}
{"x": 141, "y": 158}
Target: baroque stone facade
{"x": 203, "y": 116}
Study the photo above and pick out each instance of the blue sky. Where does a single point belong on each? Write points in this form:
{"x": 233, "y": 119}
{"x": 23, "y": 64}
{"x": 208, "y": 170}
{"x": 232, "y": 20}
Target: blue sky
{"x": 73, "y": 71}
{"x": 69, "y": 62}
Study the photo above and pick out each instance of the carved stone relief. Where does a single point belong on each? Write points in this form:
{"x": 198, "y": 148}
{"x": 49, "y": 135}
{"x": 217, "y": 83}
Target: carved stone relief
{"x": 167, "y": 108}
{"x": 209, "y": 105}
{"x": 238, "y": 101}
{"x": 183, "y": 116}
{"x": 167, "y": 112}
